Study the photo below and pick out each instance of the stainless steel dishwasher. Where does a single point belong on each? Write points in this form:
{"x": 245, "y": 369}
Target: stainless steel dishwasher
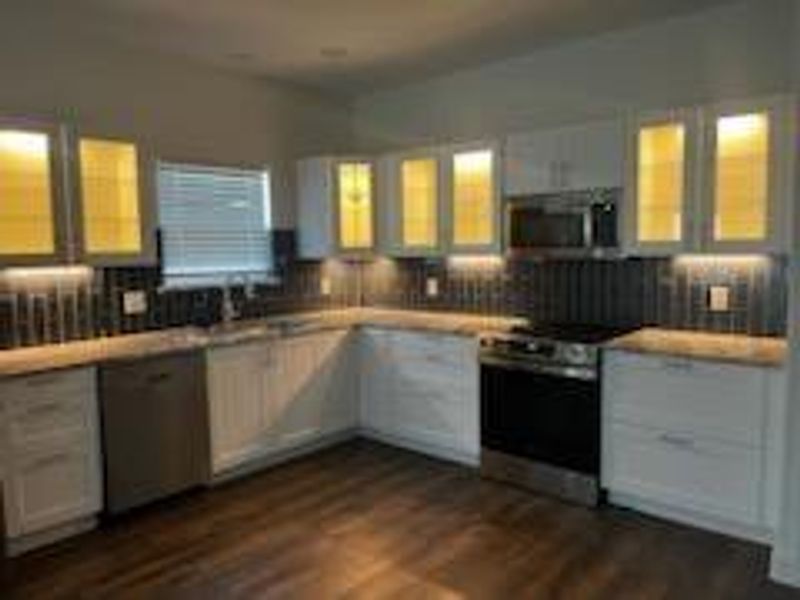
{"x": 154, "y": 428}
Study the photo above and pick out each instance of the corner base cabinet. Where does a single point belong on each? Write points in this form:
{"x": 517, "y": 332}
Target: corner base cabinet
{"x": 420, "y": 390}
{"x": 272, "y": 397}
{"x": 694, "y": 441}
{"x": 51, "y": 473}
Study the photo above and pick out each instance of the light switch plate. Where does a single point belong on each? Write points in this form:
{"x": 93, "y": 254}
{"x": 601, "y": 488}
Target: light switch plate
{"x": 432, "y": 287}
{"x": 325, "y": 286}
{"x": 134, "y": 302}
{"x": 719, "y": 298}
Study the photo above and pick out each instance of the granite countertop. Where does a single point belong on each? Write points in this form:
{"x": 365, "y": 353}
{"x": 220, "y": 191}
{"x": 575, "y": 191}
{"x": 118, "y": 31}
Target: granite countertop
{"x": 20, "y": 361}
{"x": 724, "y": 347}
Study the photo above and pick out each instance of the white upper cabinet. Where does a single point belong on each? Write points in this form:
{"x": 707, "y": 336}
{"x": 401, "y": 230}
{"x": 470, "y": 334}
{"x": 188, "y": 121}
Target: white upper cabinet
{"x": 569, "y": 158}
{"x": 748, "y": 165}
{"x": 443, "y": 200}
{"x": 33, "y": 224}
{"x": 713, "y": 179}
{"x": 472, "y": 190}
{"x": 336, "y": 207}
{"x": 414, "y": 207}
{"x": 661, "y": 204}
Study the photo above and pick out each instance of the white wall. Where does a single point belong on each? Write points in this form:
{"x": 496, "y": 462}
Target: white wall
{"x": 786, "y": 557}
{"x": 186, "y": 111}
{"x": 739, "y": 49}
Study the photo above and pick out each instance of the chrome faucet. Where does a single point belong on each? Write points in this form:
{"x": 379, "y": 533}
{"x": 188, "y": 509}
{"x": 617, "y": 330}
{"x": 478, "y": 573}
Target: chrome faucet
{"x": 229, "y": 310}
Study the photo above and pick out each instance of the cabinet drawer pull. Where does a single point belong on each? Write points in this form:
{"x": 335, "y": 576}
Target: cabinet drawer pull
{"x": 43, "y": 381}
{"x": 42, "y": 409}
{"x": 50, "y": 459}
{"x": 678, "y": 441}
{"x": 677, "y": 364}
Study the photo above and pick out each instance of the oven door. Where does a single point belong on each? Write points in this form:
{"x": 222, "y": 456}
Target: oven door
{"x": 544, "y": 417}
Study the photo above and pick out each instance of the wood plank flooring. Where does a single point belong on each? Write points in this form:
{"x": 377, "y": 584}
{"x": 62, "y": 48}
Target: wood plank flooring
{"x": 364, "y": 520}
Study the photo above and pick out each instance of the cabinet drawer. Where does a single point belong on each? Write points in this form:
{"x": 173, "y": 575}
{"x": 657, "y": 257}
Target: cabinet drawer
{"x": 51, "y": 484}
{"x": 436, "y": 350}
{"x": 50, "y": 405}
{"x": 49, "y": 417}
{"x": 722, "y": 401}
{"x": 713, "y": 478}
{"x": 56, "y": 384}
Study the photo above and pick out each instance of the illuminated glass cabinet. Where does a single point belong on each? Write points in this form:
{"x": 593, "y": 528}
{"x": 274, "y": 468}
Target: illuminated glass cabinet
{"x": 472, "y": 187}
{"x": 714, "y": 179}
{"x": 337, "y": 209}
{"x": 113, "y": 188}
{"x": 33, "y": 220}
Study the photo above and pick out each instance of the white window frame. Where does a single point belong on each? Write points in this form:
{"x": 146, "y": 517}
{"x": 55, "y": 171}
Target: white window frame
{"x": 215, "y": 275}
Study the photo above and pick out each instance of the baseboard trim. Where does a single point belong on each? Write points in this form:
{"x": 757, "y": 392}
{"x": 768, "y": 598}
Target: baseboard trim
{"x": 464, "y": 458}
{"x": 689, "y": 517}
{"x": 26, "y": 543}
{"x": 785, "y": 572}
{"x": 281, "y": 456}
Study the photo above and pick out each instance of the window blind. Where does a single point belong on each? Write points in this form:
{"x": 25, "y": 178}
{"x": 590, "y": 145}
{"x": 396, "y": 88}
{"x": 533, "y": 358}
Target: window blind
{"x": 215, "y": 223}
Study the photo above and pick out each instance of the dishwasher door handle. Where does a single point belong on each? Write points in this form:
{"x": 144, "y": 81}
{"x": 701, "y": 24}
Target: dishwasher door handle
{"x": 158, "y": 377}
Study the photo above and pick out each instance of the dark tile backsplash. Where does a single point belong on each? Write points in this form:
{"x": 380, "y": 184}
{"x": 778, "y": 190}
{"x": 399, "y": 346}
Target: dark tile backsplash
{"x": 626, "y": 292}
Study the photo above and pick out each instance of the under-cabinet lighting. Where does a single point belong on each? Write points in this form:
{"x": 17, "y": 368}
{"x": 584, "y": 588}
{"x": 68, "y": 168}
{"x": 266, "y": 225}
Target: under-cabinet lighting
{"x": 482, "y": 262}
{"x": 32, "y": 277}
{"x": 720, "y": 260}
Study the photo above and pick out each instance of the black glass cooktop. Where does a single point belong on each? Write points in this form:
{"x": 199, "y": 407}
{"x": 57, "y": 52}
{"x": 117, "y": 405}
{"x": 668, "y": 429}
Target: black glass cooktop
{"x": 578, "y": 333}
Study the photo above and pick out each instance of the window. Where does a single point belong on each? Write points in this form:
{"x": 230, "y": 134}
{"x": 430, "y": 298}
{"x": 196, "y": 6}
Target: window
{"x": 215, "y": 224}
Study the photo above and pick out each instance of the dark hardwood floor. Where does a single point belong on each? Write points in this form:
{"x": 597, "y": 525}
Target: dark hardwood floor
{"x": 365, "y": 520}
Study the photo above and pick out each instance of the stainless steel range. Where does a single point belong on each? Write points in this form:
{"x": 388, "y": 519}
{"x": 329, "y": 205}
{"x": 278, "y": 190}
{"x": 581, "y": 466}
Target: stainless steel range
{"x": 540, "y": 409}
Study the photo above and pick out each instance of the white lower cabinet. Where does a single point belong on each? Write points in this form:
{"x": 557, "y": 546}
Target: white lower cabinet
{"x": 319, "y": 395}
{"x": 50, "y": 455}
{"x": 237, "y": 415}
{"x": 694, "y": 441}
{"x": 421, "y": 390}
{"x": 276, "y": 395}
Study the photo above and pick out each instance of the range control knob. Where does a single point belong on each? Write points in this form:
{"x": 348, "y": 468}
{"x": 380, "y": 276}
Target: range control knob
{"x": 576, "y": 354}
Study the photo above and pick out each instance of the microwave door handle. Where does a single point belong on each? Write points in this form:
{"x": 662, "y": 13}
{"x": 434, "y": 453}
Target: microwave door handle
{"x": 588, "y": 229}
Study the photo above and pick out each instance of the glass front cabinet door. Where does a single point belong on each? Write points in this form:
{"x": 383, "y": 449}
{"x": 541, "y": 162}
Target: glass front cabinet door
{"x": 715, "y": 179}
{"x": 747, "y": 176}
{"x": 32, "y": 215}
{"x": 355, "y": 206}
{"x": 473, "y": 210}
{"x": 660, "y": 210}
{"x": 113, "y": 186}
{"x": 414, "y": 195}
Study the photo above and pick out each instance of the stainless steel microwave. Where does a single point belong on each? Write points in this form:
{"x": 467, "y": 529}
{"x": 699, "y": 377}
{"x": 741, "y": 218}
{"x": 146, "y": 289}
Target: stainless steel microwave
{"x": 584, "y": 223}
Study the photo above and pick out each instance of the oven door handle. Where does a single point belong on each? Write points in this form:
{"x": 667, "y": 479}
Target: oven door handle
{"x": 512, "y": 364}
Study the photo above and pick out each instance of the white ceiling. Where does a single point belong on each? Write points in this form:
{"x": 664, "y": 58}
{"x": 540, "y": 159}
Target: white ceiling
{"x": 352, "y": 46}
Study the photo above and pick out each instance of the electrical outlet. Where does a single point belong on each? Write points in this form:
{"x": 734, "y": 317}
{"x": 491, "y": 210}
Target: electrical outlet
{"x": 325, "y": 286}
{"x": 432, "y": 287}
{"x": 134, "y": 302}
{"x": 719, "y": 298}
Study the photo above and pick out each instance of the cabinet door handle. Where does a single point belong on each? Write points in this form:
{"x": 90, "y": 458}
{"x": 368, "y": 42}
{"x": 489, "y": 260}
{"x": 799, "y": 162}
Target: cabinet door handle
{"x": 678, "y": 441}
